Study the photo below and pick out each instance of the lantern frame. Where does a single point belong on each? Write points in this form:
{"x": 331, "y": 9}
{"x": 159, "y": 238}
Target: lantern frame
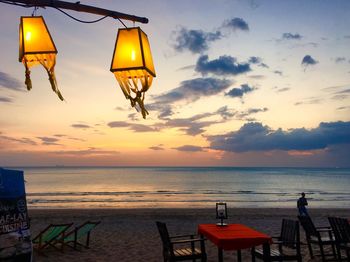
{"x": 144, "y": 66}
{"x": 22, "y": 52}
{"x": 219, "y": 216}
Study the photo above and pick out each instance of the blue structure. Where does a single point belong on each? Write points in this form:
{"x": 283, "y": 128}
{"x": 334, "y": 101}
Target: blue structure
{"x": 15, "y": 243}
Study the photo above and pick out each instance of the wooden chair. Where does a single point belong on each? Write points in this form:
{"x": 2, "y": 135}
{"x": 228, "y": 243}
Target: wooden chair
{"x": 341, "y": 229}
{"x": 289, "y": 238}
{"x": 51, "y": 236}
{"x": 83, "y": 231}
{"x": 182, "y": 253}
{"x": 322, "y": 236}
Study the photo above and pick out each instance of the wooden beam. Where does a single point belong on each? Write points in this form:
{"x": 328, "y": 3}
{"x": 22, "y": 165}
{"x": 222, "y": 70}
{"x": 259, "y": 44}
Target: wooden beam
{"x": 81, "y": 8}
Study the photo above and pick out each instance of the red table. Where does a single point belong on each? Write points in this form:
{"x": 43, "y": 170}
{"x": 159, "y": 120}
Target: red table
{"x": 235, "y": 237}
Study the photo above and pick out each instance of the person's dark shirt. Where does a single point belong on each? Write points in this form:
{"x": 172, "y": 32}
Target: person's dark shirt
{"x": 302, "y": 202}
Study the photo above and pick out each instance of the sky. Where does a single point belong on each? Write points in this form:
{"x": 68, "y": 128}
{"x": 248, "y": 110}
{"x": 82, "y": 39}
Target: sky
{"x": 239, "y": 83}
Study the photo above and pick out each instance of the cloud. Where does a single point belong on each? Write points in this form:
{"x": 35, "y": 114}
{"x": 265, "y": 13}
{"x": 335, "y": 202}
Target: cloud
{"x": 340, "y": 60}
{"x": 189, "y": 148}
{"x": 225, "y": 112}
{"x": 191, "y": 126}
{"x": 23, "y": 140}
{"x": 236, "y": 24}
{"x": 290, "y": 36}
{"x": 256, "y": 76}
{"x": 195, "y": 125}
{"x": 4, "y": 99}
{"x": 85, "y": 152}
{"x": 192, "y": 90}
{"x": 308, "y": 60}
{"x": 196, "y": 41}
{"x": 244, "y": 115}
{"x": 343, "y": 108}
{"x": 156, "y": 148}
{"x": 254, "y": 60}
{"x": 263, "y": 65}
{"x": 135, "y": 127}
{"x": 224, "y": 65}
{"x": 80, "y": 126}
{"x": 7, "y": 81}
{"x": 278, "y": 72}
{"x": 240, "y": 91}
{"x": 256, "y": 137}
{"x": 281, "y": 89}
{"x": 309, "y": 101}
{"x": 49, "y": 141}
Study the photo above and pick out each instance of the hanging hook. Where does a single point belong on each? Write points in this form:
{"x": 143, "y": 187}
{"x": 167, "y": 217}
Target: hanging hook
{"x": 34, "y": 11}
{"x": 122, "y": 22}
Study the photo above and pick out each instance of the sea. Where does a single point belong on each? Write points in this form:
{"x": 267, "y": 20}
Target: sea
{"x": 185, "y": 187}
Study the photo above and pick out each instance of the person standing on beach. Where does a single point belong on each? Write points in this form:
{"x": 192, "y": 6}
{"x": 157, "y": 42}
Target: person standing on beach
{"x": 301, "y": 204}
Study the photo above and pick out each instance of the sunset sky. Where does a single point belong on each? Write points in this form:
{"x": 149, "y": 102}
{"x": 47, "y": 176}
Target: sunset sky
{"x": 239, "y": 83}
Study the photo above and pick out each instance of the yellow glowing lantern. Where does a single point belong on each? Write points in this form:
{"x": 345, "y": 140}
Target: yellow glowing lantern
{"x": 37, "y": 47}
{"x": 132, "y": 65}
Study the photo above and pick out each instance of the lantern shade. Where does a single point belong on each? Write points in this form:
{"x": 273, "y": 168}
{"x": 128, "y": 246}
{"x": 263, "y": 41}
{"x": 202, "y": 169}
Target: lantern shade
{"x": 132, "y": 65}
{"x": 34, "y": 38}
{"x": 132, "y": 52}
{"x": 36, "y": 47}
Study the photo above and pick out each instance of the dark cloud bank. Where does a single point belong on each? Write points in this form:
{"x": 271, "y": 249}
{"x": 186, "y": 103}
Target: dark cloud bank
{"x": 256, "y": 137}
{"x": 240, "y": 91}
{"x": 9, "y": 82}
{"x": 198, "y": 41}
{"x": 224, "y": 65}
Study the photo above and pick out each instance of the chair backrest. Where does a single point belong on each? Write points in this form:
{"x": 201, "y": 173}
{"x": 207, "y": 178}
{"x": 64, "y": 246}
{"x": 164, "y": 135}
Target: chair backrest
{"x": 290, "y": 236}
{"x": 308, "y": 225}
{"x": 164, "y": 235}
{"x": 341, "y": 229}
{"x": 81, "y": 230}
{"x": 51, "y": 232}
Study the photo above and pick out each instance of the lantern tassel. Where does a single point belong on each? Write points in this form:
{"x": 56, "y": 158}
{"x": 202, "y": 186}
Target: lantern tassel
{"x": 53, "y": 82}
{"x": 28, "y": 81}
{"x": 140, "y": 103}
{"x": 48, "y": 61}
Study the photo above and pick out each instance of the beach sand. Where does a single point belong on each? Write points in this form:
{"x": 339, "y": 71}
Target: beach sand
{"x": 131, "y": 234}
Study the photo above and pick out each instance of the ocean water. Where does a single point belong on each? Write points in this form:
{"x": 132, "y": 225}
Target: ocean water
{"x": 143, "y": 187}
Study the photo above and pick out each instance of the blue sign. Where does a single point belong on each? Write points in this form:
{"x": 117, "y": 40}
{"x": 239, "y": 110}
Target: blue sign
{"x": 14, "y": 221}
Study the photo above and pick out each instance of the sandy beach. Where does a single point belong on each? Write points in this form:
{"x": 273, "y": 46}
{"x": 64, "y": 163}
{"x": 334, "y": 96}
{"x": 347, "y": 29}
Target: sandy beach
{"x": 131, "y": 234}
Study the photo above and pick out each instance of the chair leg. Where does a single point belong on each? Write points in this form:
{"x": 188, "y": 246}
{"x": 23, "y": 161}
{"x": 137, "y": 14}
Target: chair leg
{"x": 334, "y": 252}
{"x": 253, "y": 254}
{"x": 310, "y": 248}
{"x": 339, "y": 253}
{"x": 322, "y": 253}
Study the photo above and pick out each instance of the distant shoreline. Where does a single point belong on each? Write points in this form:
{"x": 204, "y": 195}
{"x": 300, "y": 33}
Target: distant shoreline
{"x": 238, "y": 167}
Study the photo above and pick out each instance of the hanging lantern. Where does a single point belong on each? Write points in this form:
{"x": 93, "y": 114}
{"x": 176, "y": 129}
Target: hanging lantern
{"x": 37, "y": 47}
{"x": 132, "y": 65}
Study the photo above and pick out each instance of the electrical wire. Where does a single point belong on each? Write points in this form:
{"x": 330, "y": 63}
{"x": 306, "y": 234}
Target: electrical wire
{"x": 13, "y": 3}
{"x": 123, "y": 23}
{"x": 79, "y": 20}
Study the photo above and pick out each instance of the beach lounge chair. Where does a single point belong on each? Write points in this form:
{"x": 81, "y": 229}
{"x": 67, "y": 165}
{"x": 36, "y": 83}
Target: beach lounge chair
{"x": 289, "y": 238}
{"x": 341, "y": 230}
{"x": 170, "y": 253}
{"x": 322, "y": 236}
{"x": 73, "y": 237}
{"x": 50, "y": 236}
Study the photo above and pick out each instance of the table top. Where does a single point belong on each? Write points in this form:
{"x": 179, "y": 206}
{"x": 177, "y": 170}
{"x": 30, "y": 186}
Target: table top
{"x": 233, "y": 236}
